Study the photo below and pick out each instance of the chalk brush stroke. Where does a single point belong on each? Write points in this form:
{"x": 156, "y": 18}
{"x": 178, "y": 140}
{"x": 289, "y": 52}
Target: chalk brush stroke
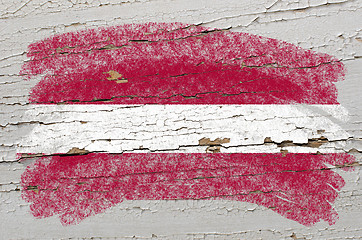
{"x": 175, "y": 63}
{"x": 299, "y": 187}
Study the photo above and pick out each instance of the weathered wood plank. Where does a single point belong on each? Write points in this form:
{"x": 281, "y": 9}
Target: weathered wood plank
{"x": 331, "y": 27}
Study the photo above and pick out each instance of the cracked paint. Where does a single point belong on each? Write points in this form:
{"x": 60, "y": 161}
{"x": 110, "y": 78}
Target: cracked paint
{"x": 186, "y": 128}
{"x": 203, "y": 66}
{"x": 331, "y": 27}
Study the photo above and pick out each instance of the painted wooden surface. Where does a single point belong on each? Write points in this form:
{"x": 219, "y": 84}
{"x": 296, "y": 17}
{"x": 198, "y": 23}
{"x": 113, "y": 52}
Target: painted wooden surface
{"x": 331, "y": 27}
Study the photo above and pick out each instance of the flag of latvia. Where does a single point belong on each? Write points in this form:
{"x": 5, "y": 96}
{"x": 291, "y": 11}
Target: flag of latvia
{"x": 162, "y": 111}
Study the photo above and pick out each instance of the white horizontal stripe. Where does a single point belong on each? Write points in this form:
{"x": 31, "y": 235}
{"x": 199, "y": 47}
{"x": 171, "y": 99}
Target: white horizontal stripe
{"x": 178, "y": 128}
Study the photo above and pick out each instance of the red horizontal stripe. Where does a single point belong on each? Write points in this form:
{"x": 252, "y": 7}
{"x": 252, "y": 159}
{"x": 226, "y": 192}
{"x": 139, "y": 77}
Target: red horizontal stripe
{"x": 174, "y": 63}
{"x": 297, "y": 186}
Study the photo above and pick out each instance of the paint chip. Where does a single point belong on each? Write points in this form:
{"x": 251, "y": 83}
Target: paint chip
{"x": 115, "y": 76}
{"x": 217, "y": 141}
{"x": 213, "y": 149}
{"x": 77, "y": 151}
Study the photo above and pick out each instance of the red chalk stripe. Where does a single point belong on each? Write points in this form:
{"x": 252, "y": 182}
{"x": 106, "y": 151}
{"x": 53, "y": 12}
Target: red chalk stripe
{"x": 297, "y": 186}
{"x": 175, "y": 63}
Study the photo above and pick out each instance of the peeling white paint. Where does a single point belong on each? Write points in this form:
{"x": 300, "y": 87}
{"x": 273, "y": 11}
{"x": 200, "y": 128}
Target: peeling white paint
{"x": 178, "y": 128}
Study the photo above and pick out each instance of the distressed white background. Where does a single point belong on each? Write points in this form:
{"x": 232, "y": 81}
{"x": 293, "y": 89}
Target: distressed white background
{"x": 333, "y": 27}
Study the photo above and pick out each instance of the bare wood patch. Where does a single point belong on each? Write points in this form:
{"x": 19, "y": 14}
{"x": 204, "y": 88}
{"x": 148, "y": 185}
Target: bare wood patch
{"x": 217, "y": 141}
{"x": 77, "y": 151}
{"x": 115, "y": 76}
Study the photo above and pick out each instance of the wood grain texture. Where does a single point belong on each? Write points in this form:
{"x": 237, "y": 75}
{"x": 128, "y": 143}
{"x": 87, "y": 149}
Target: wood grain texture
{"x": 331, "y": 27}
